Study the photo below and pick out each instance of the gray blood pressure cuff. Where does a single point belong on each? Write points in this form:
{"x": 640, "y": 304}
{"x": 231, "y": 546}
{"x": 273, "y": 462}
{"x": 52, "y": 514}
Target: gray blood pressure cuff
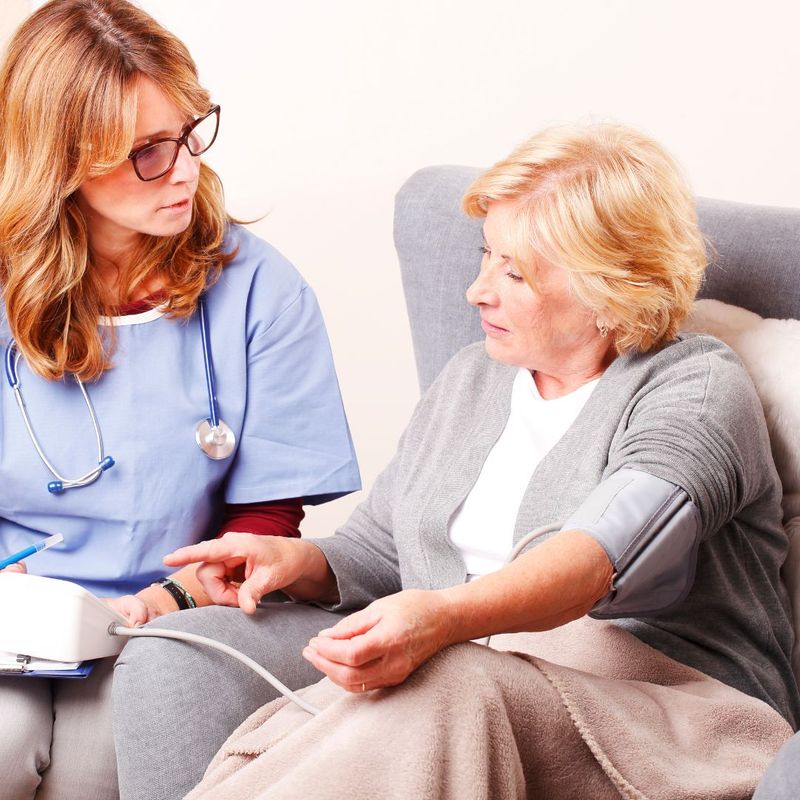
{"x": 650, "y": 530}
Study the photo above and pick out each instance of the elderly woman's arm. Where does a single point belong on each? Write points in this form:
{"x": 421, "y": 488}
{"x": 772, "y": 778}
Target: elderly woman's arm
{"x": 240, "y": 568}
{"x": 555, "y": 583}
{"x": 381, "y": 645}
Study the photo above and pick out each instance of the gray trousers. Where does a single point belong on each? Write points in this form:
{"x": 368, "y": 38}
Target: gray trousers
{"x": 176, "y": 703}
{"x": 782, "y": 780}
{"x": 55, "y": 738}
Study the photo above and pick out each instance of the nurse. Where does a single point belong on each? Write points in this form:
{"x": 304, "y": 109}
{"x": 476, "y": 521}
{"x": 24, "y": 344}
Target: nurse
{"x": 175, "y": 372}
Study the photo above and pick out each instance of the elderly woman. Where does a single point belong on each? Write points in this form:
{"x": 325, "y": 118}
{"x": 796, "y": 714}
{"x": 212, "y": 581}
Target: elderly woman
{"x": 639, "y": 459}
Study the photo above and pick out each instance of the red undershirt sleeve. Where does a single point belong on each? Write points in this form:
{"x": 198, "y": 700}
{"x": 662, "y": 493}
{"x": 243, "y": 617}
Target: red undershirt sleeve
{"x": 274, "y": 518}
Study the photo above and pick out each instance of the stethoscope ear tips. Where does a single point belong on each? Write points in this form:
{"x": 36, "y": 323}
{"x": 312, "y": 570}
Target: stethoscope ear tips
{"x": 57, "y": 487}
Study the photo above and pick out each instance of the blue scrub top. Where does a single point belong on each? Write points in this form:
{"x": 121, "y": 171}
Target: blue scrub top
{"x": 277, "y": 390}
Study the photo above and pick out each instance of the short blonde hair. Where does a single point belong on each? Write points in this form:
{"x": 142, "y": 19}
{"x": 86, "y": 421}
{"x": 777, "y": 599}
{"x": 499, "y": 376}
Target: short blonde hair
{"x": 68, "y": 101}
{"x": 610, "y": 206}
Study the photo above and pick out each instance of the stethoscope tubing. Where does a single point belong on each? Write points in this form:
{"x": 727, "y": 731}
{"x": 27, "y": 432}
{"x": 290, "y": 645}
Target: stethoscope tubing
{"x": 213, "y": 405}
{"x": 212, "y": 435}
{"x": 217, "y": 440}
{"x": 12, "y": 359}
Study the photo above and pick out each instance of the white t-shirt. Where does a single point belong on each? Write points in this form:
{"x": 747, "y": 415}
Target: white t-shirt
{"x": 482, "y": 527}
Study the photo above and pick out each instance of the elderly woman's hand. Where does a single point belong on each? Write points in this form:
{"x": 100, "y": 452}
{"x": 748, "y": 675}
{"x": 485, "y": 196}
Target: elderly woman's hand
{"x": 240, "y": 568}
{"x": 385, "y": 642}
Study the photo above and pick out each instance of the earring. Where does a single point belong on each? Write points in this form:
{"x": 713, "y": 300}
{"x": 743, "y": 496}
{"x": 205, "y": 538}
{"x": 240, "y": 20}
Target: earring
{"x": 603, "y": 328}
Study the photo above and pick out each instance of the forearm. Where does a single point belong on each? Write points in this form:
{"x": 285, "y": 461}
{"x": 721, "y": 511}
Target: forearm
{"x": 558, "y": 581}
{"x": 159, "y": 601}
{"x": 318, "y": 583}
{"x": 555, "y": 583}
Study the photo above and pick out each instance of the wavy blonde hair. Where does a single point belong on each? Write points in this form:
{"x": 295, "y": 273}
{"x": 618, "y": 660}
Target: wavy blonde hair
{"x": 68, "y": 95}
{"x": 610, "y": 206}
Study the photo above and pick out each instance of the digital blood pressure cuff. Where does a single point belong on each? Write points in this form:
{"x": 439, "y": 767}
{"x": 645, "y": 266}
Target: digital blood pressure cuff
{"x": 650, "y": 530}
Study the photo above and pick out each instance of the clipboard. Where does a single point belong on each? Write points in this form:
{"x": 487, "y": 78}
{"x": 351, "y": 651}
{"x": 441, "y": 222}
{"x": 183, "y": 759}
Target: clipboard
{"x": 26, "y": 667}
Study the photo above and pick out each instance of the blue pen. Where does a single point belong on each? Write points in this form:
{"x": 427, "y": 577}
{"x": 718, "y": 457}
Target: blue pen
{"x": 56, "y": 538}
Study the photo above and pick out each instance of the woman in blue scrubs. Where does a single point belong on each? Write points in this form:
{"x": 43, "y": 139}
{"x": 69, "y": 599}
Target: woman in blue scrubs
{"x": 175, "y": 370}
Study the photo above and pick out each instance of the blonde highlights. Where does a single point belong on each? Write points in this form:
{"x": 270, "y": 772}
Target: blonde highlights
{"x": 68, "y": 98}
{"x": 610, "y": 206}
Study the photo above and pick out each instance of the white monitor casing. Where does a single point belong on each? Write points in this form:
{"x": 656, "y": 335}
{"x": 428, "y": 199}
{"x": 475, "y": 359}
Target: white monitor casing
{"x": 54, "y": 619}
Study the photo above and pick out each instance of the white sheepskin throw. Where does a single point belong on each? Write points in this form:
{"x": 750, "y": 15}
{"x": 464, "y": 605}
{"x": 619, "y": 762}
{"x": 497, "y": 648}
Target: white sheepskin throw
{"x": 770, "y": 350}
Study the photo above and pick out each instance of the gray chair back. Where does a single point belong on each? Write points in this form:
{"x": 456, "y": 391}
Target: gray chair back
{"x": 755, "y": 261}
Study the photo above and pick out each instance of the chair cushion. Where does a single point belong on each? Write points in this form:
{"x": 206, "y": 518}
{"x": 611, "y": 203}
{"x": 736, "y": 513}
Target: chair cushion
{"x": 770, "y": 351}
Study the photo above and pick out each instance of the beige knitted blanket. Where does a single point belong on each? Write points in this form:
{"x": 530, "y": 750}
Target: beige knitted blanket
{"x": 586, "y": 711}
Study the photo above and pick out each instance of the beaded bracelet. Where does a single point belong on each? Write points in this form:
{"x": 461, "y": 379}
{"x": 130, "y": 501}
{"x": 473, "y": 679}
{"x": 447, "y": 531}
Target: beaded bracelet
{"x": 178, "y": 592}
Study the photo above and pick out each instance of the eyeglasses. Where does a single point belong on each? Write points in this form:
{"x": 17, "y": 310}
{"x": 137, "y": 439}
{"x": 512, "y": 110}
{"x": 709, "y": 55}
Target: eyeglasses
{"x": 155, "y": 159}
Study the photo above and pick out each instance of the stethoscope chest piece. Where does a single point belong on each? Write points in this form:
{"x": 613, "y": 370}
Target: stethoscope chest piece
{"x": 216, "y": 442}
{"x": 212, "y": 435}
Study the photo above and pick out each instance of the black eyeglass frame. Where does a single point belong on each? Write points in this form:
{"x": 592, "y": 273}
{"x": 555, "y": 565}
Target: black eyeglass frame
{"x": 183, "y": 139}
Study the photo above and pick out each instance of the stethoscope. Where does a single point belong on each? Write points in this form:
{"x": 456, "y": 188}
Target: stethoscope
{"x": 213, "y": 436}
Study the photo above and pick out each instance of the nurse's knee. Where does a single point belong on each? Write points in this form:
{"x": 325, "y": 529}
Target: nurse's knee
{"x": 274, "y": 637}
{"x": 21, "y": 784}
{"x": 156, "y": 679}
{"x": 24, "y": 738}
{"x": 782, "y": 779}
{"x": 144, "y": 660}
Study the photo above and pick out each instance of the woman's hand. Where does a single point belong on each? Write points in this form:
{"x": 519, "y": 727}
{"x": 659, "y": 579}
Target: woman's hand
{"x": 133, "y": 608}
{"x": 238, "y": 569}
{"x": 385, "y": 642}
{"x": 18, "y": 567}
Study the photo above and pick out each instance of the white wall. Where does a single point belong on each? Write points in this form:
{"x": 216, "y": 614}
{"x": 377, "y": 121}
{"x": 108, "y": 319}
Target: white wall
{"x": 12, "y": 13}
{"x": 329, "y": 106}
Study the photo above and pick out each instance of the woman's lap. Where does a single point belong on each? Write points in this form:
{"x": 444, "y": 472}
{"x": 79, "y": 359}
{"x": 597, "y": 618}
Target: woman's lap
{"x": 26, "y": 708}
{"x": 476, "y": 722}
{"x": 55, "y": 741}
{"x": 450, "y": 731}
{"x": 175, "y": 703}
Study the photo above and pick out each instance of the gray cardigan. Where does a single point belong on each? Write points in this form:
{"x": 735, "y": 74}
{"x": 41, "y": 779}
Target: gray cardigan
{"x": 687, "y": 414}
